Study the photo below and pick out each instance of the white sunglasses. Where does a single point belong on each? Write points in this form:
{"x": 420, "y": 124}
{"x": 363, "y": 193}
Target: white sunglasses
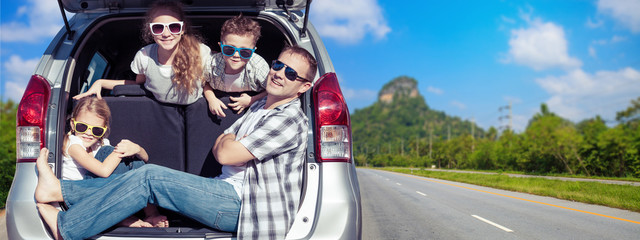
{"x": 158, "y": 28}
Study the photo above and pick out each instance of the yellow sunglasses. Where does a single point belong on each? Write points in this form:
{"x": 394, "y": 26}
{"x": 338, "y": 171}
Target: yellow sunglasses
{"x": 81, "y": 127}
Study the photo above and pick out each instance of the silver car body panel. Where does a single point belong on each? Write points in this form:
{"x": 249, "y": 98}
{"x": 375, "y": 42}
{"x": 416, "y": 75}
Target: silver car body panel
{"x": 330, "y": 208}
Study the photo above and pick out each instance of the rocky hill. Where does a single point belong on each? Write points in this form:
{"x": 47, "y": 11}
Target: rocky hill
{"x": 402, "y": 115}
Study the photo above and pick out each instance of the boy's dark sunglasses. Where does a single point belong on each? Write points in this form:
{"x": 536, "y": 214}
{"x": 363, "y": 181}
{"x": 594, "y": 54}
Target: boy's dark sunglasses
{"x": 229, "y": 50}
{"x": 81, "y": 127}
{"x": 158, "y": 28}
{"x": 289, "y": 72}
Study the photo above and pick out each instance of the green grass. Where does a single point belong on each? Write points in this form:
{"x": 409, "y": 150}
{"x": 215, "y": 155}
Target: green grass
{"x": 612, "y": 195}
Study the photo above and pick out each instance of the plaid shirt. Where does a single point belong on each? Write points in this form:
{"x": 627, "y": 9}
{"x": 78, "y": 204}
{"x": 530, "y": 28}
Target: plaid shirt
{"x": 272, "y": 181}
{"x": 254, "y": 74}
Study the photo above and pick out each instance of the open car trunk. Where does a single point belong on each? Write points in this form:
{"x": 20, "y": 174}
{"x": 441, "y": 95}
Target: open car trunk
{"x": 167, "y": 132}
{"x": 76, "y": 6}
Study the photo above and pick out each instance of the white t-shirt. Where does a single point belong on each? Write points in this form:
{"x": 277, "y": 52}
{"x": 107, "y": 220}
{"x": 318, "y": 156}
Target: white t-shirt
{"x": 233, "y": 83}
{"x": 71, "y": 170}
{"x": 158, "y": 76}
{"x": 235, "y": 174}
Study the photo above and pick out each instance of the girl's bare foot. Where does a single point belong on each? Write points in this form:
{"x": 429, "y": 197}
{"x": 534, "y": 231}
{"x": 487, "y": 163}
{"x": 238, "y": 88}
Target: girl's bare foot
{"x": 48, "y": 188}
{"x": 157, "y": 221}
{"x": 133, "y": 221}
{"x": 50, "y": 215}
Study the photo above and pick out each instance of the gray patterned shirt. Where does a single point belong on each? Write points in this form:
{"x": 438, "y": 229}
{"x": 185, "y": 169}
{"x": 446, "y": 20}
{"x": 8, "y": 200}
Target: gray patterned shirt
{"x": 253, "y": 76}
{"x": 273, "y": 181}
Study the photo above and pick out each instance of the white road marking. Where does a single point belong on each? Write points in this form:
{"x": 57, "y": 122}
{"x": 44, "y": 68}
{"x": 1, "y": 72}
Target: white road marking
{"x": 421, "y": 193}
{"x": 492, "y": 223}
{"x": 399, "y": 184}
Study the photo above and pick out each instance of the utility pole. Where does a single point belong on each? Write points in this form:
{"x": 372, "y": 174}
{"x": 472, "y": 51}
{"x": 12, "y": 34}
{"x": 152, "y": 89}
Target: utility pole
{"x": 417, "y": 145}
{"x": 430, "y": 139}
{"x": 508, "y": 116}
{"x": 473, "y": 143}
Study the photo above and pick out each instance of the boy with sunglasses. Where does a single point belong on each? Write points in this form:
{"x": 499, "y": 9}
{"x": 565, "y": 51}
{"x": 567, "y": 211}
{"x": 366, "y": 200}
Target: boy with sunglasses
{"x": 270, "y": 140}
{"x": 236, "y": 71}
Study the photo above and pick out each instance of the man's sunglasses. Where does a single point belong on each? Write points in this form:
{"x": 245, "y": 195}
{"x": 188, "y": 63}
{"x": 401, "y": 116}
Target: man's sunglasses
{"x": 158, "y": 28}
{"x": 229, "y": 50}
{"x": 81, "y": 127}
{"x": 289, "y": 72}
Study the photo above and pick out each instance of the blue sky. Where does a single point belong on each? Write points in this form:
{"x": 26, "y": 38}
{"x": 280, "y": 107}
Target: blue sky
{"x": 470, "y": 57}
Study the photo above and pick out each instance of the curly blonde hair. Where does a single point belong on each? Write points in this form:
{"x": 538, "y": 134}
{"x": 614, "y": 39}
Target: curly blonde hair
{"x": 187, "y": 63}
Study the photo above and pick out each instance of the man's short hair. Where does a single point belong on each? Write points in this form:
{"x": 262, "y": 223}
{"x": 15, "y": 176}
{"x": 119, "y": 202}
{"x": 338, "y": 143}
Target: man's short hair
{"x": 313, "y": 65}
{"x": 242, "y": 26}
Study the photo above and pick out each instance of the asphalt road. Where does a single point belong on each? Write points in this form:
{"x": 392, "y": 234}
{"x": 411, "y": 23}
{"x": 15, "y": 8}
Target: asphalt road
{"x": 399, "y": 206}
{"x": 3, "y": 225}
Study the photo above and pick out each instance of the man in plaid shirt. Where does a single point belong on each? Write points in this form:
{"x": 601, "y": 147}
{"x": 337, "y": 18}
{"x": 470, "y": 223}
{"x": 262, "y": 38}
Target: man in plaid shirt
{"x": 265, "y": 149}
{"x": 273, "y": 150}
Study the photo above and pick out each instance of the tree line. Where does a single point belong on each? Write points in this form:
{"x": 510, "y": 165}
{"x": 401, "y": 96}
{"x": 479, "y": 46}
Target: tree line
{"x": 7, "y": 147}
{"x": 548, "y": 145}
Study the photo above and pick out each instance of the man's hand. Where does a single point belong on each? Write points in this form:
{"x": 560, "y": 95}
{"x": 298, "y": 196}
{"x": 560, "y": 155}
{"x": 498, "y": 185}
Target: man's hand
{"x": 228, "y": 151}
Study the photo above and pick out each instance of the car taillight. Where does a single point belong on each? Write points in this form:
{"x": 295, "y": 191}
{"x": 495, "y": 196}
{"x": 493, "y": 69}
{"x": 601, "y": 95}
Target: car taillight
{"x": 30, "y": 119}
{"x": 332, "y": 121}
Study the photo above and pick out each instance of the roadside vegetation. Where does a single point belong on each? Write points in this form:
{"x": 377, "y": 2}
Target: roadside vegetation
{"x": 612, "y": 195}
{"x": 7, "y": 148}
{"x": 400, "y": 130}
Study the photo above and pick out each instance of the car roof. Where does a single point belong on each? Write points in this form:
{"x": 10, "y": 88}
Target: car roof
{"x": 76, "y": 6}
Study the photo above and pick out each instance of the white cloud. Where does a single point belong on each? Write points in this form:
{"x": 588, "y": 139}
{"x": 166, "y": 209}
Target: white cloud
{"x": 591, "y": 24}
{"x": 358, "y": 94}
{"x": 616, "y": 39}
{"x": 624, "y": 11}
{"x": 358, "y": 98}
{"x": 579, "y": 95}
{"x": 18, "y": 72}
{"x": 602, "y": 42}
{"x": 592, "y": 52}
{"x": 459, "y": 105}
{"x": 434, "y": 90}
{"x": 540, "y": 46}
{"x": 14, "y": 91}
{"x": 43, "y": 21}
{"x": 349, "y": 21}
{"x": 519, "y": 122}
{"x": 512, "y": 100}
{"x": 507, "y": 20}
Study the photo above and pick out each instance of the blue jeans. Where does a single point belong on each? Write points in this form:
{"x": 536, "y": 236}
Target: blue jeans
{"x": 124, "y": 166}
{"x": 99, "y": 203}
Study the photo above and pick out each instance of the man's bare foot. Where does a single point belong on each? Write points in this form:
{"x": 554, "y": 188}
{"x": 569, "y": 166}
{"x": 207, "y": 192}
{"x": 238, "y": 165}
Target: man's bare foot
{"x": 157, "y": 221}
{"x": 50, "y": 215}
{"x": 133, "y": 221}
{"x": 48, "y": 188}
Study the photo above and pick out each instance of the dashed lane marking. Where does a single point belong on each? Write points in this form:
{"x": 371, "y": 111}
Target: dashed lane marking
{"x": 523, "y": 199}
{"x": 492, "y": 223}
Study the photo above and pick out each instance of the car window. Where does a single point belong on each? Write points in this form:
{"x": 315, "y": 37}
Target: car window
{"x": 96, "y": 69}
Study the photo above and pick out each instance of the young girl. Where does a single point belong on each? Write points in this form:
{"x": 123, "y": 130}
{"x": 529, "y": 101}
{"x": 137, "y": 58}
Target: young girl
{"x": 171, "y": 67}
{"x": 88, "y": 154}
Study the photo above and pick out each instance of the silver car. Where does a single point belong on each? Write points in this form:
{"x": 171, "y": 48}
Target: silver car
{"x": 100, "y": 40}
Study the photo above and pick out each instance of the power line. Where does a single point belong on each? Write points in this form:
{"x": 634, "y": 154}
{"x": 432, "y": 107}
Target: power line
{"x": 509, "y": 115}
